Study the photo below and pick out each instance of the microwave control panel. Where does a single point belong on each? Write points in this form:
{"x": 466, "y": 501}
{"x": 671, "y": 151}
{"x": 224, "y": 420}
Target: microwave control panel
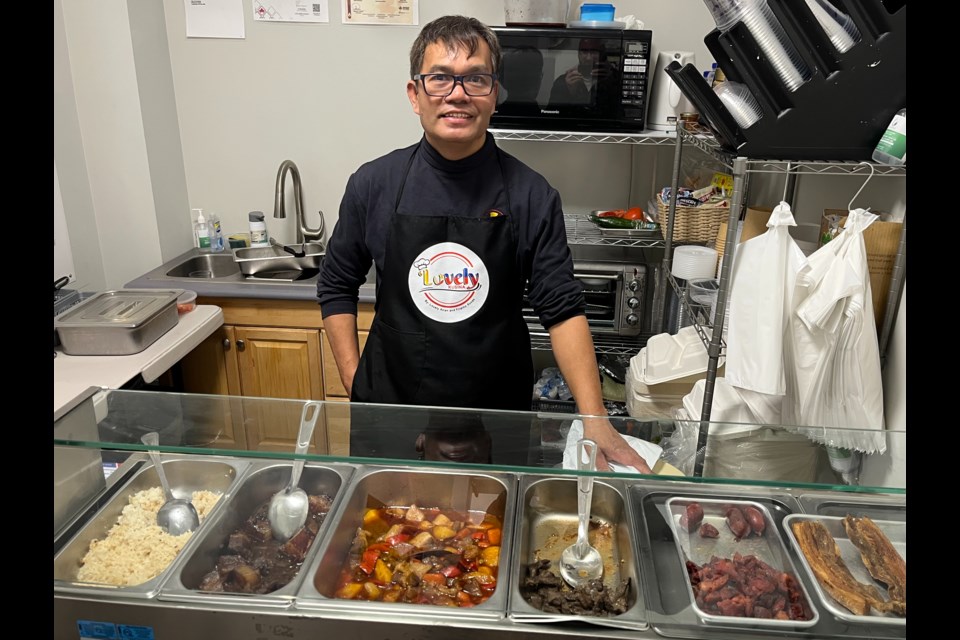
{"x": 636, "y": 59}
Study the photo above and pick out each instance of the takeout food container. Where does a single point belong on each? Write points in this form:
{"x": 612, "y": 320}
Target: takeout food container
{"x": 185, "y": 475}
{"x": 547, "y": 521}
{"x": 769, "y": 548}
{"x": 473, "y": 494}
{"x": 117, "y": 323}
{"x": 258, "y": 485}
{"x": 896, "y": 532}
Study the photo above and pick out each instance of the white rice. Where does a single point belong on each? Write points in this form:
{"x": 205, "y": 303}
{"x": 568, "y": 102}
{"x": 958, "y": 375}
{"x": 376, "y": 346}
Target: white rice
{"x": 135, "y": 549}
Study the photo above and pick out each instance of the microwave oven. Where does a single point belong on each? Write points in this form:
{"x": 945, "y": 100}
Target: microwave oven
{"x": 570, "y": 79}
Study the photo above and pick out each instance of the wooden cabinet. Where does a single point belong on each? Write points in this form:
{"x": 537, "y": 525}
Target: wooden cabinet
{"x": 271, "y": 349}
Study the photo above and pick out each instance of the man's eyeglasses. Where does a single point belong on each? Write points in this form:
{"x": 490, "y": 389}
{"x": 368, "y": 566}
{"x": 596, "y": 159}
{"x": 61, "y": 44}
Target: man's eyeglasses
{"x": 440, "y": 85}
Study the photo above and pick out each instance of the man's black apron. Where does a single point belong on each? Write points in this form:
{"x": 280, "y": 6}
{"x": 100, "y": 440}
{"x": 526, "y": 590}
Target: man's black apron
{"x": 449, "y": 328}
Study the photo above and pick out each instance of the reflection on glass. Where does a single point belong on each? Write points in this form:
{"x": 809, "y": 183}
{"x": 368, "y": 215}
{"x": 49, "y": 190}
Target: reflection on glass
{"x": 266, "y": 428}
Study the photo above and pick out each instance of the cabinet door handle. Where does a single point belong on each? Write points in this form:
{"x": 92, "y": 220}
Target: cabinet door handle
{"x": 240, "y": 345}
{"x": 226, "y": 344}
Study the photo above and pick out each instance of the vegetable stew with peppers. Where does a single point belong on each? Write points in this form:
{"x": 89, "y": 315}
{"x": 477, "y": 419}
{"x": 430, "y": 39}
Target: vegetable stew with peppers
{"x": 423, "y": 556}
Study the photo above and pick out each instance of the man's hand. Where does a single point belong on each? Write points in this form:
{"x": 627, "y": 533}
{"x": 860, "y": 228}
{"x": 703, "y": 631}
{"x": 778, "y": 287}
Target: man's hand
{"x": 574, "y": 80}
{"x": 611, "y": 446}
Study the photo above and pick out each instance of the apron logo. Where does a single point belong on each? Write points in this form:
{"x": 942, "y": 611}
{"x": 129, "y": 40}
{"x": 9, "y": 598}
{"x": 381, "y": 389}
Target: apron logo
{"x": 448, "y": 282}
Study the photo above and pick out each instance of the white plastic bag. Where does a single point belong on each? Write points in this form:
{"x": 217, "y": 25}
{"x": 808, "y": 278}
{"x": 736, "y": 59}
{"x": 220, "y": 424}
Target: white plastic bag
{"x": 834, "y": 355}
{"x": 764, "y": 275}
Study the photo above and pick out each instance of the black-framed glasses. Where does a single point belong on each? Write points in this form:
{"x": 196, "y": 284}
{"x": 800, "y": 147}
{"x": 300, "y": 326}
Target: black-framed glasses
{"x": 440, "y": 85}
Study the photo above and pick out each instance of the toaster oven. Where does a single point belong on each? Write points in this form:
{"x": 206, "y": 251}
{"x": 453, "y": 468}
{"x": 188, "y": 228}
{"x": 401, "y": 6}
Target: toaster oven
{"x": 617, "y": 298}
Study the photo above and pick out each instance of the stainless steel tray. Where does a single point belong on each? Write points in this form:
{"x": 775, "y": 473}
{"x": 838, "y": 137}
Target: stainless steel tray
{"x": 769, "y": 548}
{"x": 547, "y": 522}
{"x": 895, "y": 531}
{"x": 874, "y": 506}
{"x": 371, "y": 487}
{"x": 185, "y": 475}
{"x": 257, "y": 260}
{"x": 257, "y": 486}
{"x": 117, "y": 323}
{"x": 623, "y": 233}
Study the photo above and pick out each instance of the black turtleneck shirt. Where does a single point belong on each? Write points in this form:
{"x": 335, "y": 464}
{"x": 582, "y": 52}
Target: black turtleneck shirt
{"x": 437, "y": 186}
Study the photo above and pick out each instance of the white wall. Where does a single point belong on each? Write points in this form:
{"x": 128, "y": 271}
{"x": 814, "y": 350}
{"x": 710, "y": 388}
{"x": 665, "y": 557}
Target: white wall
{"x": 149, "y": 123}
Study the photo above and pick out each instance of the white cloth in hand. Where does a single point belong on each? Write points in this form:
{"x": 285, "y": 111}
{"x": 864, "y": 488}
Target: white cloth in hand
{"x": 647, "y": 450}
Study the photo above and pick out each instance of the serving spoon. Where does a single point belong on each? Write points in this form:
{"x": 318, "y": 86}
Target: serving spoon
{"x": 177, "y": 515}
{"x": 580, "y": 562}
{"x": 289, "y": 507}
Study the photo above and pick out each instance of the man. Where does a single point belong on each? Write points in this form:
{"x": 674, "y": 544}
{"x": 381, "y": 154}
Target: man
{"x": 587, "y": 84}
{"x": 456, "y": 227}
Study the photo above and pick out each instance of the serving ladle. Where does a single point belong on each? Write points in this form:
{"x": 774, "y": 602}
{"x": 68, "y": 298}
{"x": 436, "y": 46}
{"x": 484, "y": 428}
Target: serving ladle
{"x": 580, "y": 562}
{"x": 177, "y": 515}
{"x": 289, "y": 507}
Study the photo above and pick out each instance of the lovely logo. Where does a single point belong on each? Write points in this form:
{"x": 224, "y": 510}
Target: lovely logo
{"x": 448, "y": 282}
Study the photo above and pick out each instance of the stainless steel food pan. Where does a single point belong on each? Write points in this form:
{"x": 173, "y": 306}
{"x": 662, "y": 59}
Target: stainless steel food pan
{"x": 663, "y": 573}
{"x": 254, "y": 260}
{"x": 185, "y": 475}
{"x": 374, "y": 487}
{"x": 547, "y": 522}
{"x": 769, "y": 548}
{"x": 874, "y": 506}
{"x": 258, "y": 485}
{"x": 896, "y": 532}
{"x": 117, "y": 323}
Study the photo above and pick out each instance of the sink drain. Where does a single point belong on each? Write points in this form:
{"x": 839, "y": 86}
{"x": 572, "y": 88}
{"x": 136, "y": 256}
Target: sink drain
{"x": 201, "y": 273}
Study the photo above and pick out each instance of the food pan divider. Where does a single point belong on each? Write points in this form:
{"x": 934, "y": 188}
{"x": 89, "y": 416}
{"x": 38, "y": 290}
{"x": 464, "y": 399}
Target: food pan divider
{"x": 494, "y": 491}
{"x": 185, "y": 475}
{"x": 262, "y": 480}
{"x": 555, "y": 499}
{"x": 895, "y": 531}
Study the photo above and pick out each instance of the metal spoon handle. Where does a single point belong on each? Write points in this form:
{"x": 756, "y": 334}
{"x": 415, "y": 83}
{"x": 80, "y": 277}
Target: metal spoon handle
{"x": 152, "y": 439}
{"x": 586, "y": 448}
{"x": 308, "y": 420}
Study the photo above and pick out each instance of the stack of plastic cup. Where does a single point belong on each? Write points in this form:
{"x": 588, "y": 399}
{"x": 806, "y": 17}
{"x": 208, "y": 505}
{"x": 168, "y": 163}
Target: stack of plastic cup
{"x": 769, "y": 34}
{"x": 738, "y": 100}
{"x": 839, "y": 27}
{"x": 690, "y": 262}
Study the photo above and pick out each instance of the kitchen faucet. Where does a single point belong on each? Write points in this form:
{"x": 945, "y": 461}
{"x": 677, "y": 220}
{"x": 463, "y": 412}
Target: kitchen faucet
{"x": 304, "y": 233}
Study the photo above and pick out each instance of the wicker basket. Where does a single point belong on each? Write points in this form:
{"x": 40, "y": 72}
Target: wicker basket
{"x": 694, "y": 224}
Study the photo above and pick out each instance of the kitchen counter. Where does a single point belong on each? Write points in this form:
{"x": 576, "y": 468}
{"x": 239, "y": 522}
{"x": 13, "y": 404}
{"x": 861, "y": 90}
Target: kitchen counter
{"x": 236, "y": 286}
{"x": 72, "y": 375}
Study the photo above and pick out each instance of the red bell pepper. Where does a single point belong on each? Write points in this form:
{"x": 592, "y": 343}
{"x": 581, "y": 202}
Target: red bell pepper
{"x": 369, "y": 560}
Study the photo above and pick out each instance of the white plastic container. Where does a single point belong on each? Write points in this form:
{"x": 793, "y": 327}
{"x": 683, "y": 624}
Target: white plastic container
{"x": 258, "y": 230}
{"x": 892, "y": 147}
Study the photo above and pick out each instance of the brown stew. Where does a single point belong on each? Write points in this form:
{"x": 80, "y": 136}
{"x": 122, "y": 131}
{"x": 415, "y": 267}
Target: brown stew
{"x": 423, "y": 556}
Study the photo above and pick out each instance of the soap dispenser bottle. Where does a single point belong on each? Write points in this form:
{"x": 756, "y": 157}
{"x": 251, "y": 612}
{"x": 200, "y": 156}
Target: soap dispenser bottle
{"x": 201, "y": 232}
{"x": 258, "y": 230}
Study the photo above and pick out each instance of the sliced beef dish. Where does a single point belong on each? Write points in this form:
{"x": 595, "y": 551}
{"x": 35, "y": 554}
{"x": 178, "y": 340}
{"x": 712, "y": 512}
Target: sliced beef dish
{"x": 254, "y": 562}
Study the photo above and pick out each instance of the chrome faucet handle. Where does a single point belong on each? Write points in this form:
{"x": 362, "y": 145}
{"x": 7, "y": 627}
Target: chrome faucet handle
{"x": 304, "y": 233}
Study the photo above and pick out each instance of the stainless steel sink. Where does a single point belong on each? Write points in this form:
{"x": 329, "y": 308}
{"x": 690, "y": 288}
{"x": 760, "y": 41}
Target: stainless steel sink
{"x": 206, "y": 266}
